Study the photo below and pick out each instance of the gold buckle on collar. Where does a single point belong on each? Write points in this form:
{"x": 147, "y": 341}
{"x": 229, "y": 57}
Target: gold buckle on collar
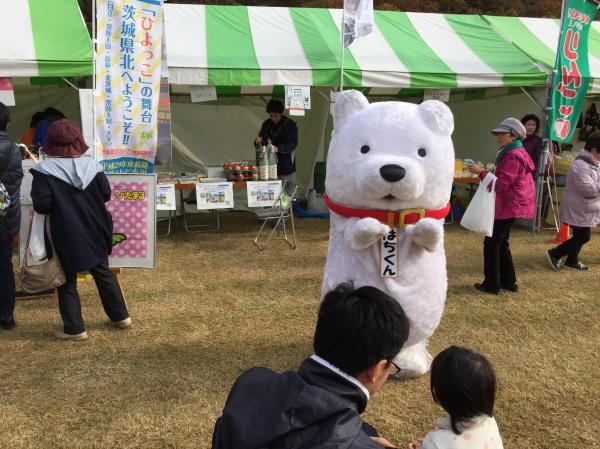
{"x": 404, "y": 213}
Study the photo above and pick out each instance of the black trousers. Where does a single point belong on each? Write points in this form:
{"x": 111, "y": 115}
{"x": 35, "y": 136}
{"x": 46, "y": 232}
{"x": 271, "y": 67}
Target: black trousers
{"x": 572, "y": 247}
{"x": 110, "y": 295}
{"x": 498, "y": 265}
{"x": 7, "y": 281}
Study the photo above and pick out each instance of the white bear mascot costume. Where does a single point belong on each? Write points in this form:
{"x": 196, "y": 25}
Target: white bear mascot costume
{"x": 390, "y": 169}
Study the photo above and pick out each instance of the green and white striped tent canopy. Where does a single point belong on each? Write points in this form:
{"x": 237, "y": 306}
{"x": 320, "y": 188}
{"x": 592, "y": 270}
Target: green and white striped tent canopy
{"x": 45, "y": 38}
{"x": 538, "y": 38}
{"x": 260, "y": 46}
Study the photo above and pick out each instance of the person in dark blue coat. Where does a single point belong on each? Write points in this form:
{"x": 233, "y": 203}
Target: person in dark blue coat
{"x": 72, "y": 191}
{"x": 11, "y": 174}
{"x": 358, "y": 334}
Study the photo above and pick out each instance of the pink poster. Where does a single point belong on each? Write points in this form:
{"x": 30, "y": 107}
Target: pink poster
{"x": 133, "y": 212}
{"x": 7, "y": 95}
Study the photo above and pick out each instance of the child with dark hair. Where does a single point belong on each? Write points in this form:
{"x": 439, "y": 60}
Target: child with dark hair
{"x": 464, "y": 384}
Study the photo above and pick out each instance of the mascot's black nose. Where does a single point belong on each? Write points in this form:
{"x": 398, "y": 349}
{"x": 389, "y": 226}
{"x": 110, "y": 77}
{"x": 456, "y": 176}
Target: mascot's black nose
{"x": 392, "y": 173}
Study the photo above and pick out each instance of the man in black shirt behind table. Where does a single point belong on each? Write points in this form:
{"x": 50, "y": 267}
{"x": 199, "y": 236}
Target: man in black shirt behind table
{"x": 283, "y": 134}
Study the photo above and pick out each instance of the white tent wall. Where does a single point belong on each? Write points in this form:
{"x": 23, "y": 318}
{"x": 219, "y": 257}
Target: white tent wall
{"x": 473, "y": 120}
{"x": 216, "y": 132}
{"x": 32, "y": 98}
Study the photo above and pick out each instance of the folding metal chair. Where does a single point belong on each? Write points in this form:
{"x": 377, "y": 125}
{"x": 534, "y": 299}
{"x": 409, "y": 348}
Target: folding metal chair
{"x": 280, "y": 213}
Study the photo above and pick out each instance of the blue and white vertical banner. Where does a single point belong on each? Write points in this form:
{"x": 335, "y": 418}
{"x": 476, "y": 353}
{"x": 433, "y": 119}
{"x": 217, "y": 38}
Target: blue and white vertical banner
{"x": 128, "y": 73}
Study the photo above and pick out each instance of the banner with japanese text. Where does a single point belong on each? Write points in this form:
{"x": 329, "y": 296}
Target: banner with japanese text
{"x": 128, "y": 74}
{"x": 572, "y": 77}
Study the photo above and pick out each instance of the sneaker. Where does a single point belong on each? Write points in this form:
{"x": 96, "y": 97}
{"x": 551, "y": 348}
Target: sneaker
{"x": 484, "y": 289}
{"x": 73, "y": 337}
{"x": 511, "y": 288}
{"x": 8, "y": 324}
{"x": 553, "y": 261}
{"x": 123, "y": 324}
{"x": 577, "y": 266}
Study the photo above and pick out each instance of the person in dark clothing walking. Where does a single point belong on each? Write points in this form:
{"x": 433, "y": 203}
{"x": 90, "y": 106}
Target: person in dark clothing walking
{"x": 283, "y": 134}
{"x": 11, "y": 174}
{"x": 358, "y": 334}
{"x": 72, "y": 191}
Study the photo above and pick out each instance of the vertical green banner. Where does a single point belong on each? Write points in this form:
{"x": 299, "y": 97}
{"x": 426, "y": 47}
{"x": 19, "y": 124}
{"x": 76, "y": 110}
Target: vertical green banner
{"x": 572, "y": 76}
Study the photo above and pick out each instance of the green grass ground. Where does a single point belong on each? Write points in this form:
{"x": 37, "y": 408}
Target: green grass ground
{"x": 215, "y": 307}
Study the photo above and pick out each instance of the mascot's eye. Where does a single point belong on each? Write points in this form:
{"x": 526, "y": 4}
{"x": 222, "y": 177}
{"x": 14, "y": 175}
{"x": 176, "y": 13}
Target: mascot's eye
{"x": 365, "y": 149}
{"x": 422, "y": 152}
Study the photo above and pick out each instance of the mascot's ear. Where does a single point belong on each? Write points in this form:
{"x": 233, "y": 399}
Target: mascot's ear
{"x": 437, "y": 116}
{"x": 347, "y": 104}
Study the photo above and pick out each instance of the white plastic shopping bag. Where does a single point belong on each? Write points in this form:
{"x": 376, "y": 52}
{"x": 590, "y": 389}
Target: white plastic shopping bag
{"x": 36, "y": 248}
{"x": 479, "y": 216}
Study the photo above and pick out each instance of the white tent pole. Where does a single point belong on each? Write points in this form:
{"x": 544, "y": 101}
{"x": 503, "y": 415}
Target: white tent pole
{"x": 342, "y": 35}
{"x": 94, "y": 40}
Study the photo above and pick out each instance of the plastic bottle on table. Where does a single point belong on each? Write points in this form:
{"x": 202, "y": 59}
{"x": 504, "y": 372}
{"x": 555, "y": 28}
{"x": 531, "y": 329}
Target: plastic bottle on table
{"x": 263, "y": 165}
{"x": 257, "y": 148}
{"x": 272, "y": 163}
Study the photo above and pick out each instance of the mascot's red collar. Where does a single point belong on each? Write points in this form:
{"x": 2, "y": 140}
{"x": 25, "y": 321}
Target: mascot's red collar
{"x": 392, "y": 218}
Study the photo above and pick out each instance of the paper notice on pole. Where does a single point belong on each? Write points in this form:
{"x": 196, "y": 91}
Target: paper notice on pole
{"x": 297, "y": 99}
{"x": 437, "y": 94}
{"x": 201, "y": 94}
{"x": 165, "y": 197}
{"x": 297, "y": 107}
{"x": 86, "y": 106}
{"x": 263, "y": 193}
{"x": 214, "y": 196}
{"x": 7, "y": 94}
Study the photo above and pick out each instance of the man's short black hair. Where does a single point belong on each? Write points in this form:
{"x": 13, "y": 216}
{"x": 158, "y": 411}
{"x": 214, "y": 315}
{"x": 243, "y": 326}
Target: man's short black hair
{"x": 4, "y": 117}
{"x": 593, "y": 141}
{"x": 36, "y": 118}
{"x": 356, "y": 328}
{"x": 53, "y": 114}
{"x": 464, "y": 384}
{"x": 275, "y": 106}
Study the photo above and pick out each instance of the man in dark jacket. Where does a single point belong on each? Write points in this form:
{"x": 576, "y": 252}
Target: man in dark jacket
{"x": 283, "y": 134}
{"x": 358, "y": 334}
{"x": 11, "y": 174}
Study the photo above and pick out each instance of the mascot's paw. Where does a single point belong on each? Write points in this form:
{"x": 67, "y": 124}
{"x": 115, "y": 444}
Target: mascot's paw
{"x": 366, "y": 232}
{"x": 413, "y": 361}
{"x": 427, "y": 233}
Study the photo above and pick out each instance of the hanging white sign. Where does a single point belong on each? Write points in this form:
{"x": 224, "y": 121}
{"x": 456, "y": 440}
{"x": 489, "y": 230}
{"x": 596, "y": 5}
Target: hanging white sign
{"x": 437, "y": 94}
{"x": 389, "y": 254}
{"x": 201, "y": 94}
{"x": 297, "y": 99}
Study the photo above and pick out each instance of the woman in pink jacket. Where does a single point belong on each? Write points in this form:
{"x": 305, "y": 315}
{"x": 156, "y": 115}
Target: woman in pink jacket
{"x": 580, "y": 206}
{"x": 515, "y": 198}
